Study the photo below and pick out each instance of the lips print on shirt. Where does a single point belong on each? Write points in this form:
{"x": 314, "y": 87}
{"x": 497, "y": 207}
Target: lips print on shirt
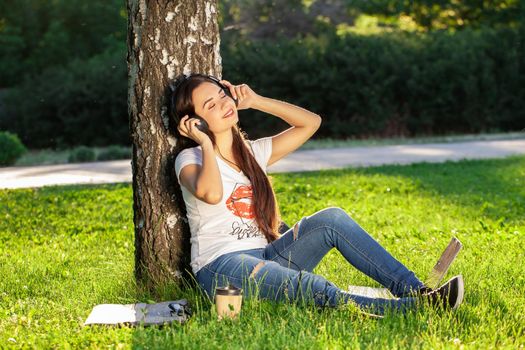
{"x": 240, "y": 204}
{"x": 240, "y": 201}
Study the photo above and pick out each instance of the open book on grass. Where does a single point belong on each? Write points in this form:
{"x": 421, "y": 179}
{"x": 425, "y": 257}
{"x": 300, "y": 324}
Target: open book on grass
{"x": 140, "y": 313}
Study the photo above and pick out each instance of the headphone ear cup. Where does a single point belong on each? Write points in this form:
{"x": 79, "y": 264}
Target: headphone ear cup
{"x": 203, "y": 126}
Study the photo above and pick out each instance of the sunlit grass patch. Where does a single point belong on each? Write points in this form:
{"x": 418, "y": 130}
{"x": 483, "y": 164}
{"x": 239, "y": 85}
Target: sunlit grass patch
{"x": 66, "y": 249}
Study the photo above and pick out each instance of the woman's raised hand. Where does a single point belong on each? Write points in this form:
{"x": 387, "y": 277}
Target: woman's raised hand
{"x": 188, "y": 128}
{"x": 242, "y": 93}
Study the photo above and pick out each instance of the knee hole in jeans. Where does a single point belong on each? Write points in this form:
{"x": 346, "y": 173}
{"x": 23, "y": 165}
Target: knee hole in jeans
{"x": 256, "y": 269}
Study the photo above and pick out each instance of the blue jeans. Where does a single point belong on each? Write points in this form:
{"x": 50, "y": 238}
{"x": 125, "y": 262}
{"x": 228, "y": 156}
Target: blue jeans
{"x": 282, "y": 271}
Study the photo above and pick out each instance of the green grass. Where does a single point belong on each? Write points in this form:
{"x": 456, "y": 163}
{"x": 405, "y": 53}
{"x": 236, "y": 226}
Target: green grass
{"x": 66, "y": 249}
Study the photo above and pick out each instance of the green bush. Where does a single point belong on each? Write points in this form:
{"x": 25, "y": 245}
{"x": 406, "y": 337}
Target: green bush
{"x": 114, "y": 152}
{"x": 81, "y": 154}
{"x": 388, "y": 85}
{"x": 393, "y": 84}
{"x": 81, "y": 103}
{"x": 35, "y": 34}
{"x": 11, "y": 148}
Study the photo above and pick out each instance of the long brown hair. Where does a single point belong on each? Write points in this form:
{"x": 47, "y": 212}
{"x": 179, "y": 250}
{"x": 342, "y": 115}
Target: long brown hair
{"x": 267, "y": 215}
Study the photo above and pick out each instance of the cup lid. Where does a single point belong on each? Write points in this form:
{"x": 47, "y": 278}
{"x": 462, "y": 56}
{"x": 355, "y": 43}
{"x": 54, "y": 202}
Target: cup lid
{"x": 229, "y": 290}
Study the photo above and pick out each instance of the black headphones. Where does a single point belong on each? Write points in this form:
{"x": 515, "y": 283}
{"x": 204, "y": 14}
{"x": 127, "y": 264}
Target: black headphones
{"x": 175, "y": 85}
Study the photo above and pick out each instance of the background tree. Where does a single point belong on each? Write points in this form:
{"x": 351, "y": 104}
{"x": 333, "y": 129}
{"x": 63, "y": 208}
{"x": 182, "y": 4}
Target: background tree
{"x": 269, "y": 19}
{"x": 446, "y": 14}
{"x": 165, "y": 38}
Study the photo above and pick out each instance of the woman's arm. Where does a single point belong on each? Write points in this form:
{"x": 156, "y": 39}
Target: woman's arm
{"x": 304, "y": 123}
{"x": 292, "y": 114}
{"x": 205, "y": 181}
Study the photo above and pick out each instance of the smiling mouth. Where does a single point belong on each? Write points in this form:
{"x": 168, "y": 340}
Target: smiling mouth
{"x": 229, "y": 114}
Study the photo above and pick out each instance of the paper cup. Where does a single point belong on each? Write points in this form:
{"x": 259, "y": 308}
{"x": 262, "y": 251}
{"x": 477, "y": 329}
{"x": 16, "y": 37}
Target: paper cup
{"x": 228, "y": 301}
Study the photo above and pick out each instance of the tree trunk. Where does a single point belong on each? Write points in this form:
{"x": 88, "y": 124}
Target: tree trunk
{"x": 165, "y": 38}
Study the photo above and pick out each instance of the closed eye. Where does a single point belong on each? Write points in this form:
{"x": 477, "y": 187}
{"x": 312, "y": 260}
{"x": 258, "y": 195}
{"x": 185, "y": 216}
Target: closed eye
{"x": 222, "y": 94}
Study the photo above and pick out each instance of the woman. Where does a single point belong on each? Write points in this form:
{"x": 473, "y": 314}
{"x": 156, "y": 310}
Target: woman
{"x": 234, "y": 217}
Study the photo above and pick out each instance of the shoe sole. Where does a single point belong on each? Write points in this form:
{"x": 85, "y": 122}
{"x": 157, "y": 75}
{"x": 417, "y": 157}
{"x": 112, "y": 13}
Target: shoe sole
{"x": 461, "y": 292}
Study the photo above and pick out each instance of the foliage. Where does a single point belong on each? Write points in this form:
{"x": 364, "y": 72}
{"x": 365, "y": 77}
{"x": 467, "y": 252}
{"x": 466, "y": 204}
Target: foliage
{"x": 36, "y": 35}
{"x": 67, "y": 249}
{"x": 83, "y": 102}
{"x": 82, "y": 154}
{"x": 114, "y": 152}
{"x": 268, "y": 19}
{"x": 11, "y": 148}
{"x": 64, "y": 77}
{"x": 445, "y": 14}
{"x": 392, "y": 84}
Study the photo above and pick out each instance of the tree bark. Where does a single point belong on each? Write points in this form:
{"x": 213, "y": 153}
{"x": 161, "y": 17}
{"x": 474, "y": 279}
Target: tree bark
{"x": 165, "y": 38}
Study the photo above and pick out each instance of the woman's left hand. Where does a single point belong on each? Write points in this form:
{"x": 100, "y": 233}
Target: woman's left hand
{"x": 242, "y": 93}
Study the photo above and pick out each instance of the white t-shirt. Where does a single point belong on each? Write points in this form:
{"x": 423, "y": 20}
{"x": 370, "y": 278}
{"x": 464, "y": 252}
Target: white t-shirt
{"x": 230, "y": 225}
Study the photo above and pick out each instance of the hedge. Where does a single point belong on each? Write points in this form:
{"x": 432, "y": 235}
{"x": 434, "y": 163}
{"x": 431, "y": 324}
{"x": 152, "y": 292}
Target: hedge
{"x": 397, "y": 84}
{"x": 394, "y": 84}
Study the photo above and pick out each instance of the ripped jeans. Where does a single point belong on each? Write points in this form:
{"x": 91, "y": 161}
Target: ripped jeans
{"x": 282, "y": 271}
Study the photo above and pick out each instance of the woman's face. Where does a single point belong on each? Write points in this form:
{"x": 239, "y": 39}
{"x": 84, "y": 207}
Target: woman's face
{"x": 213, "y": 105}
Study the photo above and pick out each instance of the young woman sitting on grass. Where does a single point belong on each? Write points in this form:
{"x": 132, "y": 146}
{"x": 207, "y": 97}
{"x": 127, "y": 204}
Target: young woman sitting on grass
{"x": 234, "y": 218}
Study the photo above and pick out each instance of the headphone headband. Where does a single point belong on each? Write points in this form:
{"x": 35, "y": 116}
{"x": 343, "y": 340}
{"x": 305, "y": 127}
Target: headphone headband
{"x": 175, "y": 84}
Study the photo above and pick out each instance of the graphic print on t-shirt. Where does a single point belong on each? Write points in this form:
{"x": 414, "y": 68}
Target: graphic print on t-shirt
{"x": 240, "y": 204}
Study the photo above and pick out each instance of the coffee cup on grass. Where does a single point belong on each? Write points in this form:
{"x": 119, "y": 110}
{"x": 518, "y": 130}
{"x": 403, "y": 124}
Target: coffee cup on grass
{"x": 228, "y": 301}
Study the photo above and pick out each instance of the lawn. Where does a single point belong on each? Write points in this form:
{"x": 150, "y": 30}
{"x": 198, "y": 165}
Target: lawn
{"x": 66, "y": 249}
